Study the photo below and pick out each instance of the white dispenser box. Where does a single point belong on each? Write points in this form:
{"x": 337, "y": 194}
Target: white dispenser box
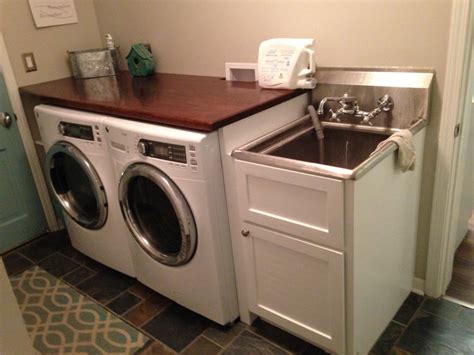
{"x": 287, "y": 63}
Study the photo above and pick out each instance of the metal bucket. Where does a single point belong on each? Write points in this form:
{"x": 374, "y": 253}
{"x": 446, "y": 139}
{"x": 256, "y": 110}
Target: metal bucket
{"x": 91, "y": 63}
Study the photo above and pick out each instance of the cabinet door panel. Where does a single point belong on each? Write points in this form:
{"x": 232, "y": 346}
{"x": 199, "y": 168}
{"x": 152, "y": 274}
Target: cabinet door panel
{"x": 297, "y": 285}
{"x": 307, "y": 206}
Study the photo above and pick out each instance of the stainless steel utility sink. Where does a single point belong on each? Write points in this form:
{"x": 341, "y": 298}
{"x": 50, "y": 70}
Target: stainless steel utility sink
{"x": 345, "y": 152}
{"x": 340, "y": 148}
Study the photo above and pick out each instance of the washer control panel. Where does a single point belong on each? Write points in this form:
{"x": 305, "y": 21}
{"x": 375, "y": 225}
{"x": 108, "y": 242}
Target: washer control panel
{"x": 76, "y": 130}
{"x": 160, "y": 150}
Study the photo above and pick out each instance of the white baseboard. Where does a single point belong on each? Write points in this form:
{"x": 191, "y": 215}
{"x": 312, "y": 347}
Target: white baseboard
{"x": 418, "y": 286}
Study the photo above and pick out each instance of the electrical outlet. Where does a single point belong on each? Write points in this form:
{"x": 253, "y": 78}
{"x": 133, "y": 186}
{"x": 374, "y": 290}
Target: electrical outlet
{"x": 29, "y": 62}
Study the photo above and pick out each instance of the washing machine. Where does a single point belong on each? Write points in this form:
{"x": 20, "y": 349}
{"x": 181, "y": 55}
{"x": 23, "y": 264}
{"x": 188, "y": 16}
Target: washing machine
{"x": 81, "y": 178}
{"x": 171, "y": 192}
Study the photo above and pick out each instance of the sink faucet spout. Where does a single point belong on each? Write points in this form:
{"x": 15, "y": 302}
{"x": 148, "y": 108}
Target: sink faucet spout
{"x": 323, "y": 102}
{"x": 348, "y": 105}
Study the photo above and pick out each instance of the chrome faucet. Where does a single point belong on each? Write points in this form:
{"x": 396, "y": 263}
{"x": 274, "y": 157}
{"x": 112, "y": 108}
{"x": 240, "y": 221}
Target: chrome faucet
{"x": 384, "y": 103}
{"x": 350, "y": 106}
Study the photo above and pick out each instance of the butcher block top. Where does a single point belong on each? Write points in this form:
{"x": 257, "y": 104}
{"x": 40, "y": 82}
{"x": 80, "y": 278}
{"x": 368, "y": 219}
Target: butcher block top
{"x": 187, "y": 101}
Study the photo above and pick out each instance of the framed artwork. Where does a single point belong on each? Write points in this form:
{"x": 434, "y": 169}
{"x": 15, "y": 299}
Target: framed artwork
{"x": 53, "y": 12}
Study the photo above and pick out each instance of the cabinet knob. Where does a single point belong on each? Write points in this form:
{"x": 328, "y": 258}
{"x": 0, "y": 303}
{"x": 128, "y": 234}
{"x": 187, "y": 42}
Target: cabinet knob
{"x": 245, "y": 232}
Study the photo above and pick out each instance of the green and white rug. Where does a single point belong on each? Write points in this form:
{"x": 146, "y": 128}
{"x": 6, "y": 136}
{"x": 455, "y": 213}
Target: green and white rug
{"x": 60, "y": 320}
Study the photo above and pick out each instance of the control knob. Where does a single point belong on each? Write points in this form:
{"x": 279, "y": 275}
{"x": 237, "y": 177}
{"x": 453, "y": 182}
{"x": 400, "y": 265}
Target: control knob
{"x": 142, "y": 148}
{"x": 62, "y": 128}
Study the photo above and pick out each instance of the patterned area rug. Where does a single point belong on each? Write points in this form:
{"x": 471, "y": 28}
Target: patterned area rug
{"x": 60, "y": 320}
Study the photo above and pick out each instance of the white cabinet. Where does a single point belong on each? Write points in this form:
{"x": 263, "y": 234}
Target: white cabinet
{"x": 296, "y": 285}
{"x": 321, "y": 253}
{"x": 294, "y": 223}
{"x": 309, "y": 206}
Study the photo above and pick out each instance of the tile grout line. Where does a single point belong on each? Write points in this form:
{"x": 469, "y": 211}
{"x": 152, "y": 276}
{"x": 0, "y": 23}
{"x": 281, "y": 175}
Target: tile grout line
{"x": 399, "y": 323}
{"x": 211, "y": 340}
{"x": 412, "y": 318}
{"x": 120, "y": 294}
{"x": 70, "y": 258}
{"x": 153, "y": 316}
{"x": 246, "y": 326}
{"x": 271, "y": 342}
{"x": 23, "y": 255}
{"x": 87, "y": 278}
{"x": 15, "y": 249}
{"x": 81, "y": 264}
{"x": 154, "y": 339}
{"x": 67, "y": 257}
{"x": 196, "y": 339}
{"x": 34, "y": 263}
{"x": 133, "y": 293}
{"x": 147, "y": 345}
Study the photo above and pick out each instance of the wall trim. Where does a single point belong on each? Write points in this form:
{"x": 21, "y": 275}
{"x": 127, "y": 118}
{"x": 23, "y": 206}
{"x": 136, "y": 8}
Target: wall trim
{"x": 418, "y": 286}
{"x": 26, "y": 138}
{"x": 440, "y": 253}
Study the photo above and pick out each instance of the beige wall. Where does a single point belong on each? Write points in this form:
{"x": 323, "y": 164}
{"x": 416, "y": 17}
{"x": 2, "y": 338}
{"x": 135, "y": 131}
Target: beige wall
{"x": 198, "y": 37}
{"x": 48, "y": 44}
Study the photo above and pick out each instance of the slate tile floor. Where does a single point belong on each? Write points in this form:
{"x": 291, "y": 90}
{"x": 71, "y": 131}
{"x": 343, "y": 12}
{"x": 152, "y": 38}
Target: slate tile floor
{"x": 421, "y": 326}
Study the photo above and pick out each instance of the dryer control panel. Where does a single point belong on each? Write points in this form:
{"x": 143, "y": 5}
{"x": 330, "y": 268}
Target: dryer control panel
{"x": 161, "y": 150}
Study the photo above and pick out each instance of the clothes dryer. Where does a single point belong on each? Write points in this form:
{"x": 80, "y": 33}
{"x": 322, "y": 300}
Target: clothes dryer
{"x": 171, "y": 191}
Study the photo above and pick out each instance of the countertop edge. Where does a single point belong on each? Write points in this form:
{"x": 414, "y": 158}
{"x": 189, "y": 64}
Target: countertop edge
{"x": 148, "y": 115}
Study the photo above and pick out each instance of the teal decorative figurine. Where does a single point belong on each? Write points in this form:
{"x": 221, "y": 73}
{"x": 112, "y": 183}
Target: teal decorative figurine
{"x": 140, "y": 61}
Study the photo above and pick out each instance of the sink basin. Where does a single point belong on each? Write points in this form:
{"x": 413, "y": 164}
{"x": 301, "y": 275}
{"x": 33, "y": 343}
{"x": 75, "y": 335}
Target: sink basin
{"x": 340, "y": 148}
{"x": 345, "y": 152}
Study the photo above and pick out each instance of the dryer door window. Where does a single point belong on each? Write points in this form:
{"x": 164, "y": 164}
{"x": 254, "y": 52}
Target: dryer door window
{"x": 76, "y": 185}
{"x": 157, "y": 214}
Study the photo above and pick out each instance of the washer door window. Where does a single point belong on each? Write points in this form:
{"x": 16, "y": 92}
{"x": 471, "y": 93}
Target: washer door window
{"x": 157, "y": 214}
{"x": 76, "y": 185}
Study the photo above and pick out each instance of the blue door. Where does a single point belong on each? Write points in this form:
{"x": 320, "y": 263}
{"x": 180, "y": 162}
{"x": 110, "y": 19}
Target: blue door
{"x": 21, "y": 213}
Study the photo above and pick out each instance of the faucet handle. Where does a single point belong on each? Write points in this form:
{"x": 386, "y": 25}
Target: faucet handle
{"x": 334, "y": 116}
{"x": 385, "y": 103}
{"x": 346, "y": 99}
{"x": 349, "y": 103}
{"x": 366, "y": 120}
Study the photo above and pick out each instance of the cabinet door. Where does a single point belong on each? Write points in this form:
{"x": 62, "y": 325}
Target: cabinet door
{"x": 296, "y": 285}
{"x": 308, "y": 206}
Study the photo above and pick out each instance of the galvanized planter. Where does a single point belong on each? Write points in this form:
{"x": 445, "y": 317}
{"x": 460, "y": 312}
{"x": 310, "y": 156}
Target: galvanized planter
{"x": 91, "y": 63}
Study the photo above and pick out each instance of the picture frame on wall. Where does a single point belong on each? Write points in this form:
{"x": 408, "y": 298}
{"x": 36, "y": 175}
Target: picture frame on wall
{"x": 53, "y": 12}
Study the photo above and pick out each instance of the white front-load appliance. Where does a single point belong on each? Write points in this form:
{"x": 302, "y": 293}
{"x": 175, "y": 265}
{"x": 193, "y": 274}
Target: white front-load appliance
{"x": 80, "y": 176}
{"x": 171, "y": 191}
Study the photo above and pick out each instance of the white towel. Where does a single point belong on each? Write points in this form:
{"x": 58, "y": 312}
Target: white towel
{"x": 406, "y": 149}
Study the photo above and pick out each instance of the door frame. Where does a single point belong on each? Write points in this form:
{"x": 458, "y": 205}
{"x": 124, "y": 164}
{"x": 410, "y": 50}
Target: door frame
{"x": 445, "y": 193}
{"x": 25, "y": 134}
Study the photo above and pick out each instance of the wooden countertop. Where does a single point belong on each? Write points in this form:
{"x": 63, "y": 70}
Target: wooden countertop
{"x": 187, "y": 101}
